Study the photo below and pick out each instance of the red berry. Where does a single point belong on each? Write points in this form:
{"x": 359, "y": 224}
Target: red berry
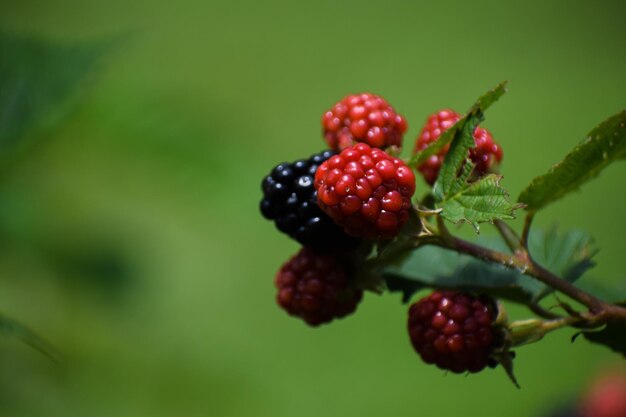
{"x": 317, "y": 288}
{"x": 454, "y": 330}
{"x": 606, "y": 396}
{"x": 366, "y": 191}
{"x": 363, "y": 118}
{"x": 485, "y": 155}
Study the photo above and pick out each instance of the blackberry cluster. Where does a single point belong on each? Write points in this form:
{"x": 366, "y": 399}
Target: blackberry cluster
{"x": 366, "y": 191}
{"x": 290, "y": 200}
{"x": 454, "y": 330}
{"x": 317, "y": 288}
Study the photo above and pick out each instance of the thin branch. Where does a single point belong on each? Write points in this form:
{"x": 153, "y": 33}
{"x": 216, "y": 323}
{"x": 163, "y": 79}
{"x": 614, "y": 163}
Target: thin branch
{"x": 530, "y": 331}
{"x": 509, "y": 236}
{"x": 542, "y": 312}
{"x": 527, "y": 223}
{"x": 531, "y": 268}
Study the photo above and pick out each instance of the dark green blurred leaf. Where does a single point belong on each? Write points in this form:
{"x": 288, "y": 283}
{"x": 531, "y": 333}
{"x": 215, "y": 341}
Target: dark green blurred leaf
{"x": 13, "y": 329}
{"x": 36, "y": 80}
{"x": 431, "y": 266}
{"x": 598, "y": 287}
{"x": 603, "y": 145}
{"x": 613, "y": 336}
{"x": 482, "y": 104}
{"x": 566, "y": 254}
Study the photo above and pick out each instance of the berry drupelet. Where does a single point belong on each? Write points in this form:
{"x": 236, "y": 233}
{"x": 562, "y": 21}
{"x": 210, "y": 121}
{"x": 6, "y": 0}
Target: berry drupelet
{"x": 365, "y": 118}
{"x": 317, "y": 287}
{"x": 290, "y": 199}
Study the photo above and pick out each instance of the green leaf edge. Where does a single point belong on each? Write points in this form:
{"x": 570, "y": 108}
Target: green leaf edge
{"x": 549, "y": 180}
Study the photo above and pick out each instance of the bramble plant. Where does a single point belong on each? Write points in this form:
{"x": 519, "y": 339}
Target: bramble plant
{"x": 403, "y": 243}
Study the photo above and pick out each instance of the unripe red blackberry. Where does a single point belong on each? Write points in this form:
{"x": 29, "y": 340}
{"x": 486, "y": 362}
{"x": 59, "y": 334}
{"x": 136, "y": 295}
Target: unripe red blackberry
{"x": 317, "y": 287}
{"x": 485, "y": 155}
{"x": 454, "y": 330}
{"x": 290, "y": 200}
{"x": 366, "y": 191}
{"x": 364, "y": 118}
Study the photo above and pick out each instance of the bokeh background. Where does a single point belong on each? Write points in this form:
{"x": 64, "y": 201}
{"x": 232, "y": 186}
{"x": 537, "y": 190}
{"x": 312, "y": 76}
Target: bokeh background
{"x": 130, "y": 233}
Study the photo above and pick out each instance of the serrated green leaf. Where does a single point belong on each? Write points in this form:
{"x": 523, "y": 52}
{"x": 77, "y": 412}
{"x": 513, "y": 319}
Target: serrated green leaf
{"x": 37, "y": 78}
{"x": 482, "y": 104}
{"x": 477, "y": 202}
{"x": 613, "y": 336}
{"x": 456, "y": 167}
{"x": 480, "y": 201}
{"x": 569, "y": 255}
{"x": 604, "y": 145}
{"x": 13, "y": 329}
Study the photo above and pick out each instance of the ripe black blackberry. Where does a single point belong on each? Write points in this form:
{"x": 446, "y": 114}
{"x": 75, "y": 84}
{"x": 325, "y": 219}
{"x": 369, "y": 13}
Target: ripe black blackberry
{"x": 455, "y": 330}
{"x": 290, "y": 199}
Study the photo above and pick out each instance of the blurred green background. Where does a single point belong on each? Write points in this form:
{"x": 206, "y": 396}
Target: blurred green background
{"x": 130, "y": 233}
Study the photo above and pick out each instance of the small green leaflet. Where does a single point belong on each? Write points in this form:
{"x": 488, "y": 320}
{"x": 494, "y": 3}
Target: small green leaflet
{"x": 431, "y": 266}
{"x": 36, "y": 80}
{"x": 603, "y": 145}
{"x": 476, "y": 202}
{"x": 449, "y": 180}
{"x": 446, "y": 137}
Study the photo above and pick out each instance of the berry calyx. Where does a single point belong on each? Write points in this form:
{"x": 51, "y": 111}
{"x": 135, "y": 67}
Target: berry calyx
{"x": 364, "y": 118}
{"x": 366, "y": 191}
{"x": 485, "y": 155}
{"x": 318, "y": 288}
{"x": 454, "y": 330}
{"x": 290, "y": 200}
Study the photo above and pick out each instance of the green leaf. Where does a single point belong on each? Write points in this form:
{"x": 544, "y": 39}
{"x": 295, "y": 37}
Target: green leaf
{"x": 603, "y": 145}
{"x": 482, "y": 104}
{"x": 600, "y": 289}
{"x": 566, "y": 254}
{"x": 613, "y": 336}
{"x": 13, "y": 329}
{"x": 37, "y": 79}
{"x": 456, "y": 167}
{"x": 480, "y": 201}
{"x": 432, "y": 266}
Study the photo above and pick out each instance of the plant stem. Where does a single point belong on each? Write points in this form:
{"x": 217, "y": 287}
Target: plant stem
{"x": 509, "y": 236}
{"x": 527, "y": 223}
{"x": 530, "y": 331}
{"x": 523, "y": 263}
{"x": 542, "y": 312}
